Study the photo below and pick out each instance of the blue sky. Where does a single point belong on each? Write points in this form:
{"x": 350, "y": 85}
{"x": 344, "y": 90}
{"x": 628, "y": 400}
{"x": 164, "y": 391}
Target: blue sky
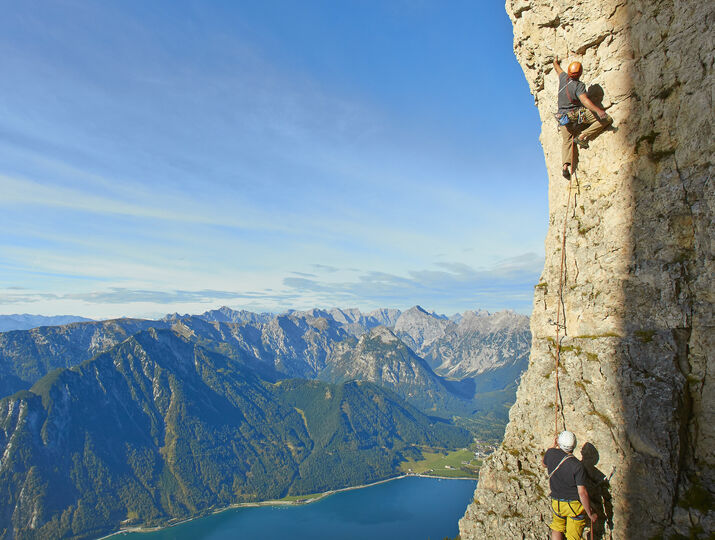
{"x": 181, "y": 155}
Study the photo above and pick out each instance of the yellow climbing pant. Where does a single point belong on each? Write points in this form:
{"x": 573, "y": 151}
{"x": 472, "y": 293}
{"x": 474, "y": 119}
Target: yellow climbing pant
{"x": 569, "y": 518}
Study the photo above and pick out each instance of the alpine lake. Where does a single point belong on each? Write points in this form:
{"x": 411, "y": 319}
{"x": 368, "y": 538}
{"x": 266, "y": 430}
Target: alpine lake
{"x": 406, "y": 508}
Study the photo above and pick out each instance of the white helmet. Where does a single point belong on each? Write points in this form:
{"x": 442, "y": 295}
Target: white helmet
{"x": 567, "y": 441}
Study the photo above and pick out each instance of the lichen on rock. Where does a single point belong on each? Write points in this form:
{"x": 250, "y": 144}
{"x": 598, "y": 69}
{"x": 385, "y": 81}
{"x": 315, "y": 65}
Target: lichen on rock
{"x": 636, "y": 375}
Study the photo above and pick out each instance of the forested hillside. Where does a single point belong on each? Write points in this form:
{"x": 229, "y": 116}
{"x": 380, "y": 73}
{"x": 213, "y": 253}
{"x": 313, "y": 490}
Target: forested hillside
{"x": 478, "y": 345}
{"x": 27, "y": 355}
{"x": 160, "y": 426}
{"x": 120, "y": 422}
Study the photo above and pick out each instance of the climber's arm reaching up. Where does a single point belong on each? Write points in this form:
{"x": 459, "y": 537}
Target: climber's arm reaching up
{"x": 557, "y": 66}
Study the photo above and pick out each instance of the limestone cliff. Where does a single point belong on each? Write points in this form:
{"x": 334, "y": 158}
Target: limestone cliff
{"x": 636, "y": 375}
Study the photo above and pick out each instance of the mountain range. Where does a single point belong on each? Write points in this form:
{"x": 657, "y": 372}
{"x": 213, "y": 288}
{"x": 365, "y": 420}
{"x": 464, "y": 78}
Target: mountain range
{"x": 26, "y": 321}
{"x": 109, "y": 423}
{"x": 296, "y": 344}
{"x": 160, "y": 427}
{"x": 28, "y": 355}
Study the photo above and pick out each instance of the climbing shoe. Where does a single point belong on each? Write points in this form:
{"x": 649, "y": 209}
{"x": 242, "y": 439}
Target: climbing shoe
{"x": 581, "y": 142}
{"x": 567, "y": 174}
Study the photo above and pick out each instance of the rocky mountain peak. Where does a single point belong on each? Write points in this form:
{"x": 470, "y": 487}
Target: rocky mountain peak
{"x": 385, "y": 316}
{"x": 385, "y": 335}
{"x": 419, "y": 329}
{"x": 485, "y": 322}
{"x": 346, "y": 316}
{"x": 226, "y": 314}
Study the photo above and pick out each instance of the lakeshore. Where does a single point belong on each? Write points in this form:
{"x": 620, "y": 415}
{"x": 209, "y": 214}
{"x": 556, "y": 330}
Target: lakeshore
{"x": 300, "y": 500}
{"x": 425, "y": 468}
{"x": 389, "y": 504}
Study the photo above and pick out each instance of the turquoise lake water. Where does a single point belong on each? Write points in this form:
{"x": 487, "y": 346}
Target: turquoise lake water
{"x": 412, "y": 508}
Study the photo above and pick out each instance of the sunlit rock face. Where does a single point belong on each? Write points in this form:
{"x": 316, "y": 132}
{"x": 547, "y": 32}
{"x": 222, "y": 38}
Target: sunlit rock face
{"x": 636, "y": 355}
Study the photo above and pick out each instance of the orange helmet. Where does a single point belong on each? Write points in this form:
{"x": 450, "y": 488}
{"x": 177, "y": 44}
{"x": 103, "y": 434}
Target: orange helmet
{"x": 575, "y": 69}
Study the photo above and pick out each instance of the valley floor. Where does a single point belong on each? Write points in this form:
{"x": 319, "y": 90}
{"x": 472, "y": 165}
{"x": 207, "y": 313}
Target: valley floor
{"x": 461, "y": 463}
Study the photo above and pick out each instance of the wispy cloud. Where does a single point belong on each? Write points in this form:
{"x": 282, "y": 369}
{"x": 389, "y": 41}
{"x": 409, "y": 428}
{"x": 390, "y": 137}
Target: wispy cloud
{"x": 153, "y": 158}
{"x": 449, "y": 287}
{"x": 18, "y": 191}
{"x": 325, "y": 268}
{"x": 509, "y": 283}
{"x": 11, "y": 296}
{"x": 119, "y": 295}
{"x": 122, "y": 295}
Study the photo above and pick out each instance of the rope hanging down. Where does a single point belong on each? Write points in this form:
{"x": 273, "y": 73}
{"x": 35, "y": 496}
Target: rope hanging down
{"x": 557, "y": 398}
{"x": 561, "y": 306}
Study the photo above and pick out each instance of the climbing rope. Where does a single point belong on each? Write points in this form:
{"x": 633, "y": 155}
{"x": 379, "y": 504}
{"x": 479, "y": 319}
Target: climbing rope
{"x": 561, "y": 306}
{"x": 557, "y": 399}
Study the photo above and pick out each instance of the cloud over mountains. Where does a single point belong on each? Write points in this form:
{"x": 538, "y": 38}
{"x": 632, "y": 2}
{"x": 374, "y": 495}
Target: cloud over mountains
{"x": 449, "y": 287}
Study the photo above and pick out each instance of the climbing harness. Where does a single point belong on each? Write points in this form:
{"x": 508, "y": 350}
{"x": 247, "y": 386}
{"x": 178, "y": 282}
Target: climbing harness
{"x": 581, "y": 115}
{"x": 577, "y": 517}
{"x": 576, "y": 116}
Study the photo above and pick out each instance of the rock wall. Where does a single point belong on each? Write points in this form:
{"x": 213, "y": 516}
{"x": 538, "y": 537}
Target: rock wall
{"x": 636, "y": 375}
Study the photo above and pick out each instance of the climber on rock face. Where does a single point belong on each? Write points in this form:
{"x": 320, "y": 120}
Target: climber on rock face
{"x": 570, "y": 502}
{"x": 575, "y": 110}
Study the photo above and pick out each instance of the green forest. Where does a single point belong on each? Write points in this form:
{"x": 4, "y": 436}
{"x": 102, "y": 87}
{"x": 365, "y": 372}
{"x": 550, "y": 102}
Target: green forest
{"x": 161, "y": 427}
